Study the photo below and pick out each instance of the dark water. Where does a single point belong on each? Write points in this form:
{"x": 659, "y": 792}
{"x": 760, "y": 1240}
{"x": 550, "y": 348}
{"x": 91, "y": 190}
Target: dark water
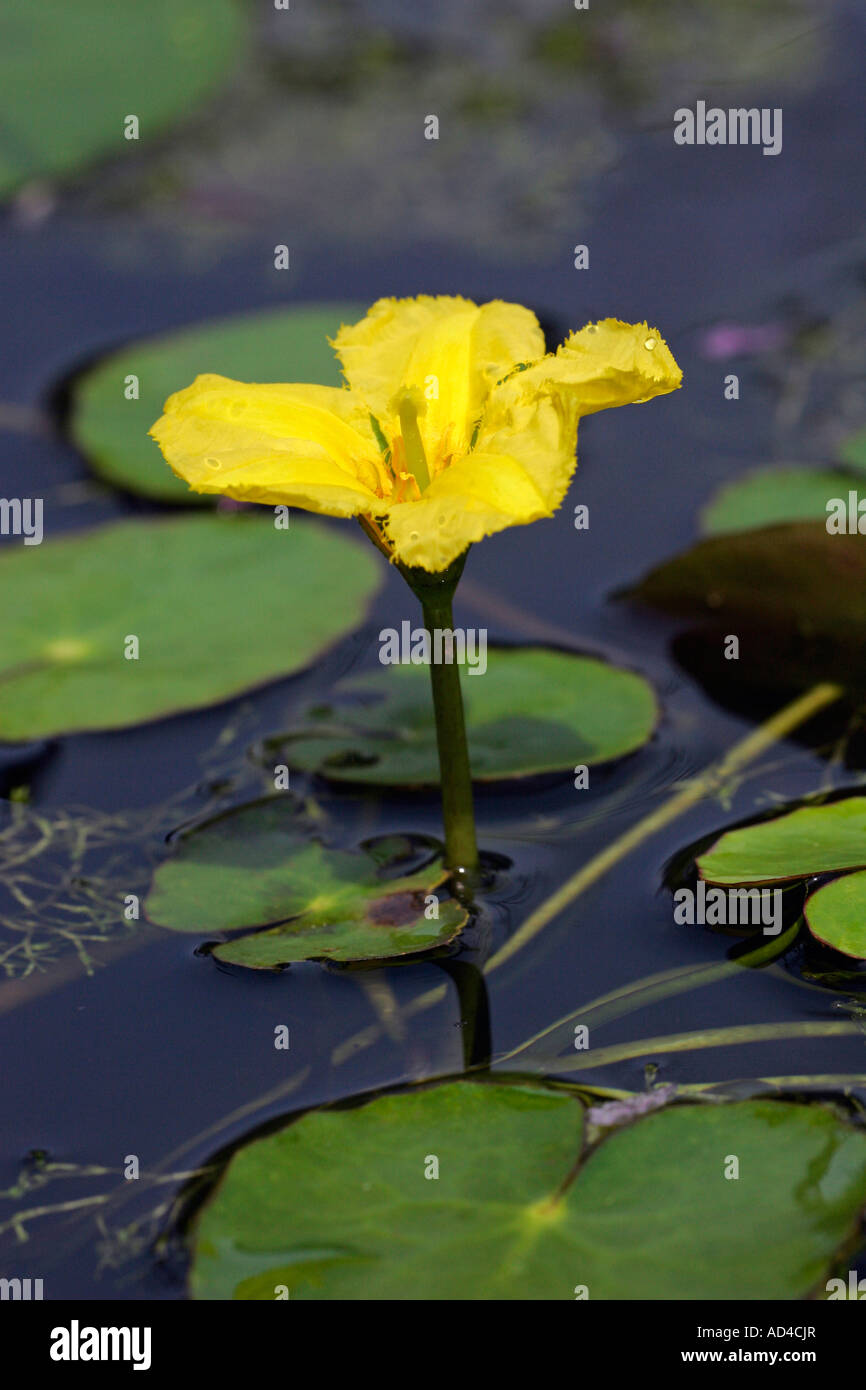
{"x": 163, "y": 1045}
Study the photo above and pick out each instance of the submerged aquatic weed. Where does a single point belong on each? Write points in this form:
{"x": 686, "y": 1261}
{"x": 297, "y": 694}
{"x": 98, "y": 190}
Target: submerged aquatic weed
{"x": 69, "y": 876}
{"x": 56, "y": 897}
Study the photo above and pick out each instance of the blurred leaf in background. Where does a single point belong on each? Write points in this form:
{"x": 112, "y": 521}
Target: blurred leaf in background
{"x": 71, "y": 75}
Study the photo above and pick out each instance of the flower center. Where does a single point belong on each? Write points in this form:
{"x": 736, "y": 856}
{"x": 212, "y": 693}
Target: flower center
{"x": 410, "y": 406}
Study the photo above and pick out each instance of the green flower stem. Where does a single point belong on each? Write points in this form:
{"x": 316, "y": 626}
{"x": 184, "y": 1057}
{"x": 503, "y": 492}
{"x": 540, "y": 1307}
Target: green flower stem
{"x": 461, "y": 848}
{"x": 716, "y": 776}
{"x": 436, "y": 592}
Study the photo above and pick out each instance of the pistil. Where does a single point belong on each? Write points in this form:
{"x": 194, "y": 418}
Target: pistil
{"x": 413, "y": 444}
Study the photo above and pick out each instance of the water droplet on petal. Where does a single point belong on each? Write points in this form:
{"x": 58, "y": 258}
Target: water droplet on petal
{"x": 213, "y": 463}
{"x": 650, "y": 344}
{"x": 593, "y": 328}
{"x": 440, "y": 520}
{"x": 413, "y": 535}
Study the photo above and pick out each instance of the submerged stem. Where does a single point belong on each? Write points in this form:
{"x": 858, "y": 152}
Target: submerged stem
{"x": 709, "y": 1037}
{"x": 640, "y": 994}
{"x": 781, "y": 724}
{"x": 474, "y": 1011}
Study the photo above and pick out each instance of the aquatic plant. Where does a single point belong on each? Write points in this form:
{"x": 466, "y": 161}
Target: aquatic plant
{"x": 453, "y": 424}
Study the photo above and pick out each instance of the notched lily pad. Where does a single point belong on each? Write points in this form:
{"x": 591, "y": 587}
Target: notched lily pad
{"x": 804, "y": 843}
{"x": 253, "y": 868}
{"x": 795, "y": 596}
{"x": 338, "y": 1205}
{"x": 810, "y": 840}
{"x": 532, "y": 711}
{"x": 277, "y": 345}
{"x": 216, "y": 604}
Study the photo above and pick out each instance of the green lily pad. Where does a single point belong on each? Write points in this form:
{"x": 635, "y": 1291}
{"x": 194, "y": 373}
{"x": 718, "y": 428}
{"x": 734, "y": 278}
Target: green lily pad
{"x": 250, "y": 869}
{"x": 853, "y": 451}
{"x": 70, "y": 74}
{"x": 342, "y": 1204}
{"x": 216, "y": 603}
{"x": 836, "y": 915}
{"x": 793, "y": 594}
{"x": 810, "y": 840}
{"x": 773, "y": 495}
{"x": 532, "y": 711}
{"x": 277, "y": 345}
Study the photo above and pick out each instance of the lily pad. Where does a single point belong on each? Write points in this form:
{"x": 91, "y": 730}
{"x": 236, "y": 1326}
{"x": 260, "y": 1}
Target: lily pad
{"x": 347, "y": 1204}
{"x": 792, "y": 575}
{"x": 773, "y": 495}
{"x": 278, "y": 345}
{"x": 216, "y": 603}
{"x": 532, "y": 711}
{"x": 250, "y": 869}
{"x": 836, "y": 914}
{"x": 794, "y": 595}
{"x": 810, "y": 840}
{"x": 70, "y": 74}
{"x": 853, "y": 451}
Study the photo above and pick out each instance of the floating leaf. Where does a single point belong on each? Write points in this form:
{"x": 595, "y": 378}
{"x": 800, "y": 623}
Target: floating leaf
{"x": 337, "y": 1205}
{"x": 836, "y": 914}
{"x": 810, "y": 840}
{"x": 279, "y": 345}
{"x": 249, "y": 869}
{"x": 853, "y": 451}
{"x": 787, "y": 576}
{"x": 532, "y": 711}
{"x": 217, "y": 604}
{"x": 773, "y": 495}
{"x": 794, "y": 594}
{"x": 71, "y": 73}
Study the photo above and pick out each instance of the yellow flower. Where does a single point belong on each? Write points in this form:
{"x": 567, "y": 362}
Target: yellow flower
{"x": 453, "y": 423}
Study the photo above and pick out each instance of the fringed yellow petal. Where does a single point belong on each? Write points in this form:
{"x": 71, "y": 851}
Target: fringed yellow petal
{"x": 462, "y": 394}
{"x": 448, "y": 352}
{"x": 539, "y": 432}
{"x": 310, "y": 446}
{"x": 605, "y": 364}
{"x": 515, "y": 476}
{"x": 375, "y": 352}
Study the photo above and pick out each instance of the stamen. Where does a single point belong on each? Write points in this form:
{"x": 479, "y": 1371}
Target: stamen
{"x": 416, "y": 459}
